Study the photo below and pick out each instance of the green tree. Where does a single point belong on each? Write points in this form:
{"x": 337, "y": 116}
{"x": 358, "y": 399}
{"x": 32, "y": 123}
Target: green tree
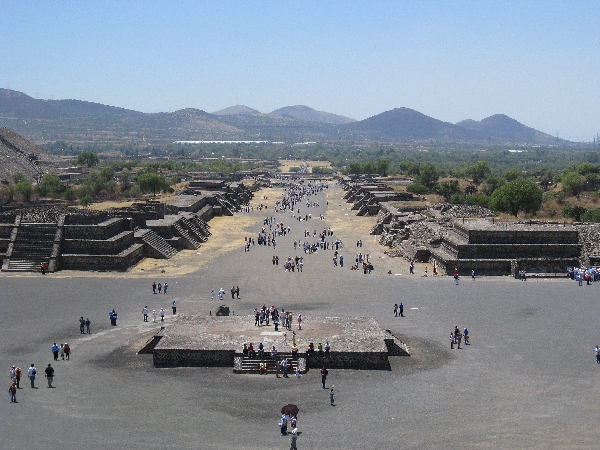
{"x": 516, "y": 196}
{"x": 382, "y": 166}
{"x": 587, "y": 168}
{"x": 591, "y": 215}
{"x": 428, "y": 175}
{"x": 354, "y": 168}
{"x": 447, "y": 189}
{"x": 573, "y": 183}
{"x": 10, "y": 192}
{"x": 513, "y": 174}
{"x": 85, "y": 201}
{"x": 150, "y": 181}
{"x": 49, "y": 184}
{"x": 18, "y": 178}
{"x": 470, "y": 189}
{"x": 25, "y": 190}
{"x": 479, "y": 171}
{"x": 125, "y": 179}
{"x": 88, "y": 159}
{"x": 69, "y": 194}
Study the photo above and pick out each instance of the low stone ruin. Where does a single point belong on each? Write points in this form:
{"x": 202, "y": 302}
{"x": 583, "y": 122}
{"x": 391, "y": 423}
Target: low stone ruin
{"x": 60, "y": 237}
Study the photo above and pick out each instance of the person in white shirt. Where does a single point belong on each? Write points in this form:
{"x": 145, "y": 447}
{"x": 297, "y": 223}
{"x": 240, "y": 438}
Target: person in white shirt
{"x": 145, "y": 313}
{"x": 153, "y": 316}
{"x": 162, "y": 314}
{"x": 31, "y": 372}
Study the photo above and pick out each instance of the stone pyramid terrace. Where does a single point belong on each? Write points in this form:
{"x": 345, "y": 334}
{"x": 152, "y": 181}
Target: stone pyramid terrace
{"x": 200, "y": 341}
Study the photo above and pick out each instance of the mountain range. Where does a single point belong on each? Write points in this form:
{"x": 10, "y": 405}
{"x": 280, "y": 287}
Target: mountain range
{"x": 80, "y": 122}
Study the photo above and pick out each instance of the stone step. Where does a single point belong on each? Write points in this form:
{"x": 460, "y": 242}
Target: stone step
{"x": 252, "y": 365}
{"x": 21, "y": 265}
{"x": 159, "y": 244}
{"x": 183, "y": 233}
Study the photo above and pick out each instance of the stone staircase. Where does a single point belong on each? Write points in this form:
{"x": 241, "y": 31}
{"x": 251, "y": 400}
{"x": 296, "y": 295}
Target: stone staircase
{"x": 248, "y": 365}
{"x": 158, "y": 244}
{"x": 195, "y": 232}
{"x": 226, "y": 205}
{"x": 32, "y": 247}
{"x": 190, "y": 242}
{"x": 201, "y": 225}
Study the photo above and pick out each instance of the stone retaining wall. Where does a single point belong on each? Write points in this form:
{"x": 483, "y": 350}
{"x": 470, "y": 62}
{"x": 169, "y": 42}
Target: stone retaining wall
{"x": 192, "y": 358}
{"x": 111, "y": 246}
{"x": 121, "y": 262}
{"x": 103, "y": 230}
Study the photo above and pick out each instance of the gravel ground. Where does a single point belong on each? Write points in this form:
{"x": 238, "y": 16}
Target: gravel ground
{"x": 526, "y": 381}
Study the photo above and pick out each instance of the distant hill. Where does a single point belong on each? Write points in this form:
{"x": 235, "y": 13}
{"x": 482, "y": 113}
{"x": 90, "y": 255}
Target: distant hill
{"x": 502, "y": 127}
{"x": 81, "y": 122}
{"x": 404, "y": 124}
{"x": 307, "y": 114}
{"x": 237, "y": 110}
{"x": 18, "y": 155}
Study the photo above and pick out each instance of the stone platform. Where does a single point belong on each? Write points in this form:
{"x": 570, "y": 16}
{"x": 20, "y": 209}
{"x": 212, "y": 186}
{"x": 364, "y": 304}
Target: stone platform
{"x": 200, "y": 341}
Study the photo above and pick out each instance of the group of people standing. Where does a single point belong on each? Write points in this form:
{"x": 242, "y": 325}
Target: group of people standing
{"x": 456, "y": 337}
{"x": 160, "y": 287}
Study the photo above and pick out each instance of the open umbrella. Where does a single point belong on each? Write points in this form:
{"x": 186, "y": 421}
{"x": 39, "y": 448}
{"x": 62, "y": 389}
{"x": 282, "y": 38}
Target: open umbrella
{"x": 290, "y": 410}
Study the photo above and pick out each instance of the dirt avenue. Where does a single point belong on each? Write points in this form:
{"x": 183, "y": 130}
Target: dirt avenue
{"x": 528, "y": 379}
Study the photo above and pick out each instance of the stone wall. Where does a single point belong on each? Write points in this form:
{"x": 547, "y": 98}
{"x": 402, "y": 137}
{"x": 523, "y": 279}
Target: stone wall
{"x": 349, "y": 360}
{"x": 120, "y": 262}
{"x": 111, "y": 246}
{"x": 511, "y": 236}
{"x": 507, "y": 251}
{"x": 192, "y": 358}
{"x": 103, "y": 230}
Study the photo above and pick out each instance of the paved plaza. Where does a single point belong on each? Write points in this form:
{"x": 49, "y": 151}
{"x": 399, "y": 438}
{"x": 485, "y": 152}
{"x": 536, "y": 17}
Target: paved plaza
{"x": 529, "y": 379}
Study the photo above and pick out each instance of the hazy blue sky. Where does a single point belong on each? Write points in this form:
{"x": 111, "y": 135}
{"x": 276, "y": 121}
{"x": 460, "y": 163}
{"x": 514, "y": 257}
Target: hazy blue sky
{"x": 536, "y": 61}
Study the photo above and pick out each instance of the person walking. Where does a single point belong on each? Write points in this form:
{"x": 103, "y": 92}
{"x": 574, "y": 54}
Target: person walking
{"x": 145, "y": 313}
{"x": 466, "y": 336}
{"x": 81, "y": 324}
{"x": 331, "y": 398}
{"x": 12, "y": 391}
{"x": 113, "y": 317}
{"x": 284, "y": 365}
{"x": 324, "y": 373}
{"x": 395, "y": 309}
{"x": 401, "y": 309}
{"x": 159, "y": 287}
{"x": 174, "y": 307}
{"x": 299, "y": 321}
{"x": 473, "y": 274}
{"x": 154, "y": 287}
{"x": 162, "y": 314}
{"x": 212, "y": 294}
{"x": 237, "y": 292}
{"x": 153, "y": 316}
{"x": 597, "y": 355}
{"x": 67, "y": 350}
{"x": 87, "y": 325}
{"x": 31, "y": 372}
{"x": 49, "y": 373}
{"x": 165, "y": 286}
{"x": 62, "y": 352}
{"x": 12, "y": 372}
{"x": 55, "y": 349}
{"x": 18, "y": 377}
